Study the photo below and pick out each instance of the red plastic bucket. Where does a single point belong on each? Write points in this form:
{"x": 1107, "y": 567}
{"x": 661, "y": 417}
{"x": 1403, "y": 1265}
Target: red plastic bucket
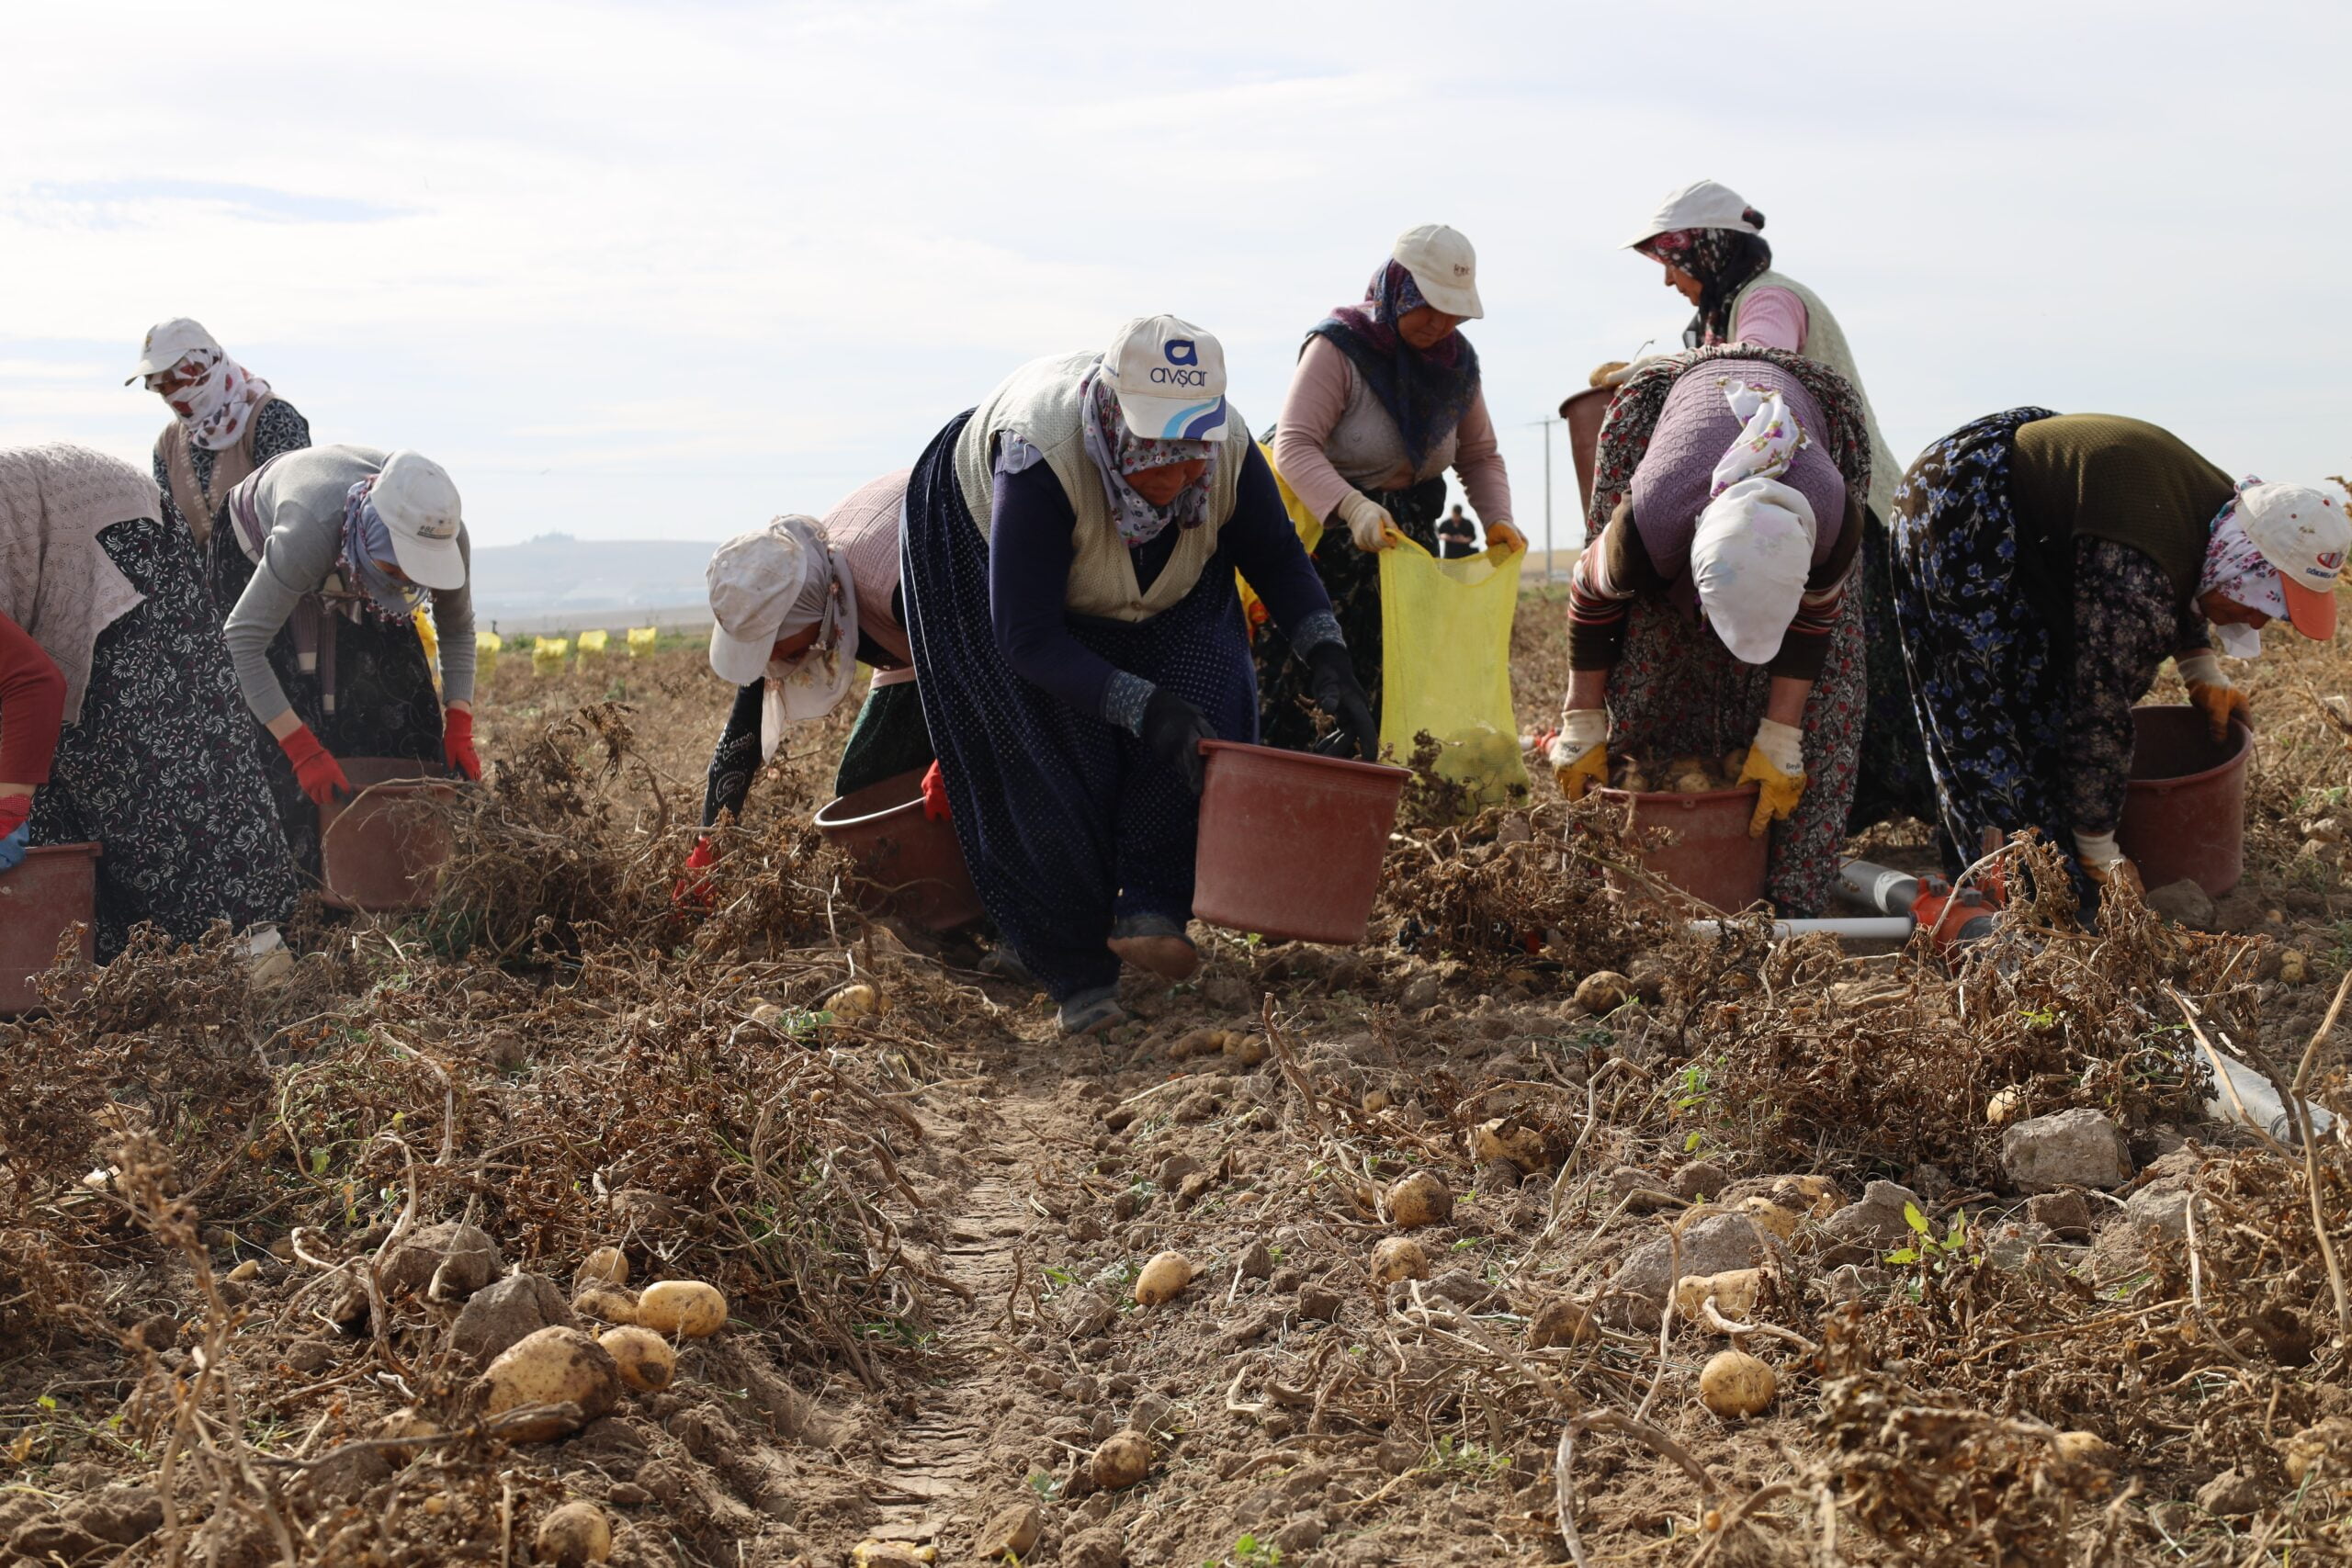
{"x": 1584, "y": 411}
{"x": 1291, "y": 843}
{"x": 381, "y": 849}
{"x": 2184, "y": 810}
{"x": 1711, "y": 857}
{"x": 55, "y": 887}
{"x": 909, "y": 864}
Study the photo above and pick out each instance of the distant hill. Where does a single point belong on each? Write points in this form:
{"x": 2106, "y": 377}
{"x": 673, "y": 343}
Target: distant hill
{"x": 556, "y": 576}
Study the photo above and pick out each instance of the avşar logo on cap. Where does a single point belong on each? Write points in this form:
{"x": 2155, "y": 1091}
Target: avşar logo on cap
{"x": 1190, "y": 355}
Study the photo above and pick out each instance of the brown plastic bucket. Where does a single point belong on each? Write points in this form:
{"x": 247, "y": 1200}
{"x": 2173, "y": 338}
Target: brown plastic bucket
{"x": 1584, "y": 413}
{"x": 2184, "y": 810}
{"x": 1711, "y": 857}
{"x": 1291, "y": 843}
{"x": 909, "y": 864}
{"x": 55, "y": 887}
{"x": 381, "y": 849}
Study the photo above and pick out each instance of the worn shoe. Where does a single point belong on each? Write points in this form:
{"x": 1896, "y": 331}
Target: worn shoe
{"x": 1154, "y": 944}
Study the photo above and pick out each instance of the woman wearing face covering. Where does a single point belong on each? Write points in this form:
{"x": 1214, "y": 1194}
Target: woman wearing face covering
{"x": 1068, "y": 569}
{"x": 119, "y": 715}
{"x": 2045, "y": 567}
{"x": 336, "y": 548}
{"x": 1386, "y": 398}
{"x": 1709, "y": 611}
{"x": 226, "y": 422}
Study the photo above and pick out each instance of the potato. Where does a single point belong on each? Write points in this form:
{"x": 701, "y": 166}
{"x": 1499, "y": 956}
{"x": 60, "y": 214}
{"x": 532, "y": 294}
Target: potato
{"x": 2086, "y": 1448}
{"x": 2005, "y": 1104}
{"x": 1560, "y": 1321}
{"x": 608, "y": 1304}
{"x": 1505, "y": 1139}
{"x": 1734, "y": 762}
{"x": 1770, "y": 1216}
{"x": 2293, "y": 967}
{"x": 555, "y": 1366}
{"x": 1603, "y": 991}
{"x": 1163, "y": 1278}
{"x": 1121, "y": 1461}
{"x": 1245, "y": 1050}
{"x": 573, "y": 1535}
{"x": 860, "y": 1000}
{"x": 1735, "y": 1383}
{"x": 1815, "y": 1195}
{"x": 1376, "y": 1101}
{"x": 1692, "y": 784}
{"x": 1399, "y": 1258}
{"x": 1734, "y": 1292}
{"x": 606, "y": 1266}
{"x": 687, "y": 1308}
{"x": 1419, "y": 1199}
{"x": 646, "y": 1361}
{"x": 406, "y": 1424}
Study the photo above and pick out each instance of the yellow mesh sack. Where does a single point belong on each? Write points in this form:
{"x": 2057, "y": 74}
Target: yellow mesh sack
{"x": 1445, "y": 631}
{"x": 431, "y": 638}
{"x": 1310, "y": 534}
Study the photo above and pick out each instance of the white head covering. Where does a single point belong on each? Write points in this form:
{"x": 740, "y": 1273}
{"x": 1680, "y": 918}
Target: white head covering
{"x": 1753, "y": 547}
{"x": 772, "y": 583}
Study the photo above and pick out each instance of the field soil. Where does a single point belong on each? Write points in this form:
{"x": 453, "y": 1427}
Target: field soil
{"x": 1537, "y": 1229}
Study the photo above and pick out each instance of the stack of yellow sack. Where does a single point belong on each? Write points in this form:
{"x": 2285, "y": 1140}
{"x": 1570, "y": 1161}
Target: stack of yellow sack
{"x": 548, "y": 654}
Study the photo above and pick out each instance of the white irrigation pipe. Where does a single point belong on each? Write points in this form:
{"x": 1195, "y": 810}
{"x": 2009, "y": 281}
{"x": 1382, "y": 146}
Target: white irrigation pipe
{"x": 1872, "y": 928}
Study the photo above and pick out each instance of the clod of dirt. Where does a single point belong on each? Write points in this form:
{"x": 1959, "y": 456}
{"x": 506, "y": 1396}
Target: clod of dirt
{"x": 2232, "y": 1492}
{"x": 606, "y": 1266}
{"x": 1734, "y": 1293}
{"x": 1011, "y": 1532}
{"x": 606, "y": 1303}
{"x": 1638, "y": 1189}
{"x": 1163, "y": 1278}
{"x": 1863, "y": 1232}
{"x": 2183, "y": 901}
{"x": 1121, "y": 1461}
{"x": 573, "y": 1535}
{"x": 1420, "y": 1198}
{"x": 1699, "y": 1179}
{"x": 646, "y": 1361}
{"x": 1560, "y": 1321}
{"x": 555, "y": 1366}
{"x": 1603, "y": 992}
{"x": 1257, "y": 1261}
{"x": 1399, "y": 1258}
{"x": 1505, "y": 1140}
{"x": 2072, "y": 1148}
{"x": 687, "y": 1308}
{"x": 1734, "y": 1383}
{"x": 506, "y": 1314}
{"x": 448, "y": 1262}
{"x": 410, "y": 1425}
{"x": 2068, "y": 1214}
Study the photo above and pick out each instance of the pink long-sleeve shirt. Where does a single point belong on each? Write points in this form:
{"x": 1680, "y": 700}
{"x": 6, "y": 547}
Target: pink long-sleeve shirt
{"x": 1772, "y": 317}
{"x": 1334, "y": 439}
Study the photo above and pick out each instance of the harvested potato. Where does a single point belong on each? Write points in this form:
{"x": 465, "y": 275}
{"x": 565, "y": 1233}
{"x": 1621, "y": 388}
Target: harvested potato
{"x": 1505, "y": 1139}
{"x": 1376, "y": 1101}
{"x": 1399, "y": 1258}
{"x": 1603, "y": 991}
{"x": 2293, "y": 967}
{"x": 1163, "y": 1278}
{"x": 1560, "y": 1321}
{"x": 607, "y": 1304}
{"x": 2086, "y": 1448}
{"x": 1245, "y": 1050}
{"x": 406, "y": 1424}
{"x": 1815, "y": 1195}
{"x": 1734, "y": 1292}
{"x": 646, "y": 1361}
{"x": 606, "y": 1266}
{"x": 687, "y": 1308}
{"x": 1692, "y": 784}
{"x": 2005, "y": 1104}
{"x": 859, "y": 1000}
{"x": 1769, "y": 1215}
{"x": 554, "y": 1365}
{"x": 1419, "y": 1199}
{"x": 1735, "y": 1383}
{"x": 1121, "y": 1461}
{"x": 573, "y": 1535}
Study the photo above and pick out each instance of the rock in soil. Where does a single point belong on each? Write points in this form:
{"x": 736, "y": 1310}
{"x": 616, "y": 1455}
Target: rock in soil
{"x": 2073, "y": 1148}
{"x": 1864, "y": 1232}
{"x": 2231, "y": 1493}
{"x": 449, "y": 1261}
{"x": 1699, "y": 1179}
{"x": 507, "y": 1313}
{"x": 1715, "y": 1246}
{"x": 1014, "y": 1532}
{"x": 2068, "y": 1214}
{"x": 2183, "y": 901}
{"x": 1094, "y": 1548}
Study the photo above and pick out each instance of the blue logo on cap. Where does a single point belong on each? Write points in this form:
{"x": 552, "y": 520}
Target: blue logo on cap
{"x": 1191, "y": 354}
{"x": 1194, "y": 423}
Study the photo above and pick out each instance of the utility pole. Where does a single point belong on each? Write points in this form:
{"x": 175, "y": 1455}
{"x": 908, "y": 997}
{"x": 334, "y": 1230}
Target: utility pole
{"x": 1549, "y": 572}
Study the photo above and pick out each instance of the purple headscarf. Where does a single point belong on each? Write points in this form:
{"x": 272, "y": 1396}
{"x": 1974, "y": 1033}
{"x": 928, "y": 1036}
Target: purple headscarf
{"x": 1426, "y": 392}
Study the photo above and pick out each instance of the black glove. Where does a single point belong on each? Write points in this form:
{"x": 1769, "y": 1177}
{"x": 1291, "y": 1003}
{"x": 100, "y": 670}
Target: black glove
{"x": 1333, "y": 676}
{"x": 1174, "y": 730}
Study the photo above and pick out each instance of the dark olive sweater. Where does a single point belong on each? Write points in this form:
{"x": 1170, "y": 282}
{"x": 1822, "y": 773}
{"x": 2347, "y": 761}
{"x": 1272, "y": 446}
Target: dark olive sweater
{"x": 2103, "y": 476}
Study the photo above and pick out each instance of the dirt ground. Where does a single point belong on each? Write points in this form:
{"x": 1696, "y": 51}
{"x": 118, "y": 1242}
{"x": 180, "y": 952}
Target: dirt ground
{"x": 257, "y": 1246}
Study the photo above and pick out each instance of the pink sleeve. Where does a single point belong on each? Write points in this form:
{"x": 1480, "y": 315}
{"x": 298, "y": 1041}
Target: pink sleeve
{"x": 1771, "y": 318}
{"x": 1479, "y": 462}
{"x": 1319, "y": 396}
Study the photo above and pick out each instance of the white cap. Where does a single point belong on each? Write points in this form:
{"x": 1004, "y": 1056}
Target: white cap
{"x": 2304, "y": 533}
{"x": 1443, "y": 266}
{"x": 755, "y": 578}
{"x": 1169, "y": 378}
{"x": 168, "y": 343}
{"x": 418, "y": 502}
{"x": 1702, "y": 205}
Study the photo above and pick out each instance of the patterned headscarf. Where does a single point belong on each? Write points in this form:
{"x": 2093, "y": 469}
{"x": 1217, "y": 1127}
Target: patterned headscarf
{"x": 1118, "y": 452}
{"x": 1723, "y": 260}
{"x": 2236, "y": 567}
{"x": 365, "y": 541}
{"x": 1426, "y": 392}
{"x": 215, "y": 406}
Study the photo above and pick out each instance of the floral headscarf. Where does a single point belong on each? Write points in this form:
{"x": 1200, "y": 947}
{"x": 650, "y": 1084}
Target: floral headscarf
{"x": 1426, "y": 392}
{"x": 215, "y": 406}
{"x": 365, "y": 541}
{"x": 1723, "y": 260}
{"x": 1118, "y": 452}
{"x": 2236, "y": 567}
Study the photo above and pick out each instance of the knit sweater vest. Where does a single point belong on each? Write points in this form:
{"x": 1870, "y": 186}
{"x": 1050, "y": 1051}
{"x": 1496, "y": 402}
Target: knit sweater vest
{"x": 1039, "y": 403}
{"x": 1825, "y": 341}
{"x": 2110, "y": 478}
{"x": 197, "y": 502}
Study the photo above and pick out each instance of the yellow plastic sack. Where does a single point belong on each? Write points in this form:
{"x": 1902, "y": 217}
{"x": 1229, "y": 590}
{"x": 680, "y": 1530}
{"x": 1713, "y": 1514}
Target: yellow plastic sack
{"x": 548, "y": 653}
{"x": 641, "y": 640}
{"x": 1445, "y": 632}
{"x": 592, "y": 644}
{"x": 1310, "y": 534}
{"x": 431, "y": 638}
{"x": 486, "y": 647}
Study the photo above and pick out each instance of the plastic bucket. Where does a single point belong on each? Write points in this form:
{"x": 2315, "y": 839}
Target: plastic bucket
{"x": 1584, "y": 413}
{"x": 381, "y": 849}
{"x": 1711, "y": 857}
{"x": 1291, "y": 843}
{"x": 55, "y": 887}
{"x": 2184, "y": 810}
{"x": 907, "y": 864}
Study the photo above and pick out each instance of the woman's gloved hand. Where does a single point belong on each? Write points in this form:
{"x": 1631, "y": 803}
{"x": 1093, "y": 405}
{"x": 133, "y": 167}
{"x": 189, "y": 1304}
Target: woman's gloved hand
{"x": 15, "y": 829}
{"x": 1331, "y": 676}
{"x": 2210, "y": 691}
{"x": 457, "y": 743}
{"x": 1504, "y": 540}
{"x": 1580, "y": 753}
{"x": 935, "y": 793}
{"x": 1173, "y": 730}
{"x": 692, "y": 892}
{"x": 1776, "y": 765}
{"x": 1369, "y": 524}
{"x": 315, "y": 767}
{"x": 2105, "y": 863}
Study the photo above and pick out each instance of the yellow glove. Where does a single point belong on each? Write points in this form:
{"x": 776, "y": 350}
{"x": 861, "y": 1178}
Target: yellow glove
{"x": 2210, "y": 691}
{"x": 1579, "y": 754}
{"x": 1776, "y": 765}
{"x": 1504, "y": 540}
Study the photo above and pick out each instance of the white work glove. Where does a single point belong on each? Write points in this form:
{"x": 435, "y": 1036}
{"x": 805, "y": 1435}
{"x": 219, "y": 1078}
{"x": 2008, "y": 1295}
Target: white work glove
{"x": 1782, "y": 745}
{"x": 1580, "y": 753}
{"x": 1369, "y": 524}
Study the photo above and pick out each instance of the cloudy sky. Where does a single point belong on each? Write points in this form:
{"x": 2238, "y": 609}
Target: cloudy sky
{"x": 663, "y": 270}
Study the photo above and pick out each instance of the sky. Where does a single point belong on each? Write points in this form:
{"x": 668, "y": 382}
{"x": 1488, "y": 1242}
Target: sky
{"x": 663, "y": 271}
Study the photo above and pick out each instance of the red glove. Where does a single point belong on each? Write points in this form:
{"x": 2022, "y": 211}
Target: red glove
{"x": 457, "y": 743}
{"x": 14, "y": 809}
{"x": 934, "y": 795}
{"x": 693, "y": 890}
{"x": 315, "y": 767}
